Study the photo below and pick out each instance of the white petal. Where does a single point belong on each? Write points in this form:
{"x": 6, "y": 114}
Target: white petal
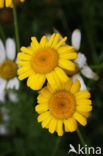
{"x": 76, "y": 39}
{"x": 2, "y": 52}
{"x": 77, "y": 76}
{"x": 2, "y": 83}
{"x": 10, "y": 48}
{"x": 87, "y": 72}
{"x": 13, "y": 97}
{"x": 13, "y": 84}
{"x": 81, "y": 60}
{"x": 3, "y": 130}
{"x": 2, "y": 95}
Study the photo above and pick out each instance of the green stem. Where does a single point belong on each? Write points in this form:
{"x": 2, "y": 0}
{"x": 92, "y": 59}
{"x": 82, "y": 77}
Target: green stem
{"x": 56, "y": 146}
{"x": 16, "y": 26}
{"x": 81, "y": 139}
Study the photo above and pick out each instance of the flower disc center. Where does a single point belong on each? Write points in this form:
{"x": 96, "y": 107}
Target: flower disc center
{"x": 62, "y": 104}
{"x": 45, "y": 60}
{"x": 8, "y": 69}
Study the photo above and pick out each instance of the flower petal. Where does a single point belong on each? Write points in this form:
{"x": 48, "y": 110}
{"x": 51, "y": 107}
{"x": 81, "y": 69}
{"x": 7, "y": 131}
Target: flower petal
{"x": 59, "y": 128}
{"x": 43, "y": 116}
{"x": 81, "y": 119}
{"x": 2, "y": 4}
{"x": 13, "y": 97}
{"x": 10, "y": 49}
{"x": 81, "y": 60}
{"x": 13, "y": 84}
{"x": 2, "y": 52}
{"x": 76, "y": 39}
{"x": 75, "y": 87}
{"x": 87, "y": 72}
{"x": 2, "y": 83}
{"x": 78, "y": 77}
{"x": 2, "y": 95}
{"x": 52, "y": 125}
{"x": 70, "y": 125}
{"x": 36, "y": 81}
{"x": 66, "y": 64}
{"x": 84, "y": 94}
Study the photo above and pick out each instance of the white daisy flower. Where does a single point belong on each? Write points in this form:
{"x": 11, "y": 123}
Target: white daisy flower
{"x": 81, "y": 61}
{"x": 8, "y": 68}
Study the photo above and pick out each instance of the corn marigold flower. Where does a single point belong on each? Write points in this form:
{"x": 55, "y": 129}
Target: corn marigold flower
{"x": 63, "y": 106}
{"x": 8, "y": 3}
{"x": 8, "y": 68}
{"x": 46, "y": 60}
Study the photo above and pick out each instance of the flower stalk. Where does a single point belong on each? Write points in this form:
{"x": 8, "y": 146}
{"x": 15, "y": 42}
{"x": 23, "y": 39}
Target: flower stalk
{"x": 81, "y": 139}
{"x": 56, "y": 146}
{"x": 16, "y": 26}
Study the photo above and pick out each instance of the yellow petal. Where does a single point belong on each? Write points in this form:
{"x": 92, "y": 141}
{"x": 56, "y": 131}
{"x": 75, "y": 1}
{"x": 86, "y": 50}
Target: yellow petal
{"x": 61, "y": 74}
{"x": 34, "y": 43}
{"x": 23, "y": 63}
{"x": 66, "y": 49}
{"x": 59, "y": 127}
{"x": 43, "y": 99}
{"x": 8, "y": 3}
{"x": 52, "y": 125}
{"x": 51, "y": 40}
{"x": 53, "y": 79}
{"x": 84, "y": 108}
{"x": 1, "y": 3}
{"x": 27, "y": 50}
{"x": 24, "y": 69}
{"x": 56, "y": 40}
{"x": 43, "y": 116}
{"x": 61, "y": 42}
{"x": 83, "y": 94}
{"x": 43, "y": 41}
{"x": 66, "y": 64}
{"x": 24, "y": 56}
{"x": 75, "y": 87}
{"x": 85, "y": 114}
{"x": 81, "y": 119}
{"x": 83, "y": 102}
{"x": 46, "y": 121}
{"x": 41, "y": 108}
{"x": 36, "y": 81}
{"x": 70, "y": 56}
{"x": 70, "y": 125}
{"x": 68, "y": 84}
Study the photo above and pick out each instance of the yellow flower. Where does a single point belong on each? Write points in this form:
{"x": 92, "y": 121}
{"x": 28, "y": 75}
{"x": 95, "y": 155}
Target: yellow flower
{"x": 63, "y": 106}
{"x": 46, "y": 60}
{"x": 8, "y": 3}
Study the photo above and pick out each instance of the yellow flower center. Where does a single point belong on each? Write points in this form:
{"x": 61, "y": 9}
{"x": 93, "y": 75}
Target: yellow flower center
{"x": 62, "y": 104}
{"x": 45, "y": 60}
{"x": 8, "y": 69}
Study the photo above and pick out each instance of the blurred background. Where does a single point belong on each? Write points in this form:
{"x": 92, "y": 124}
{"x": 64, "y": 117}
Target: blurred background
{"x": 23, "y": 136}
